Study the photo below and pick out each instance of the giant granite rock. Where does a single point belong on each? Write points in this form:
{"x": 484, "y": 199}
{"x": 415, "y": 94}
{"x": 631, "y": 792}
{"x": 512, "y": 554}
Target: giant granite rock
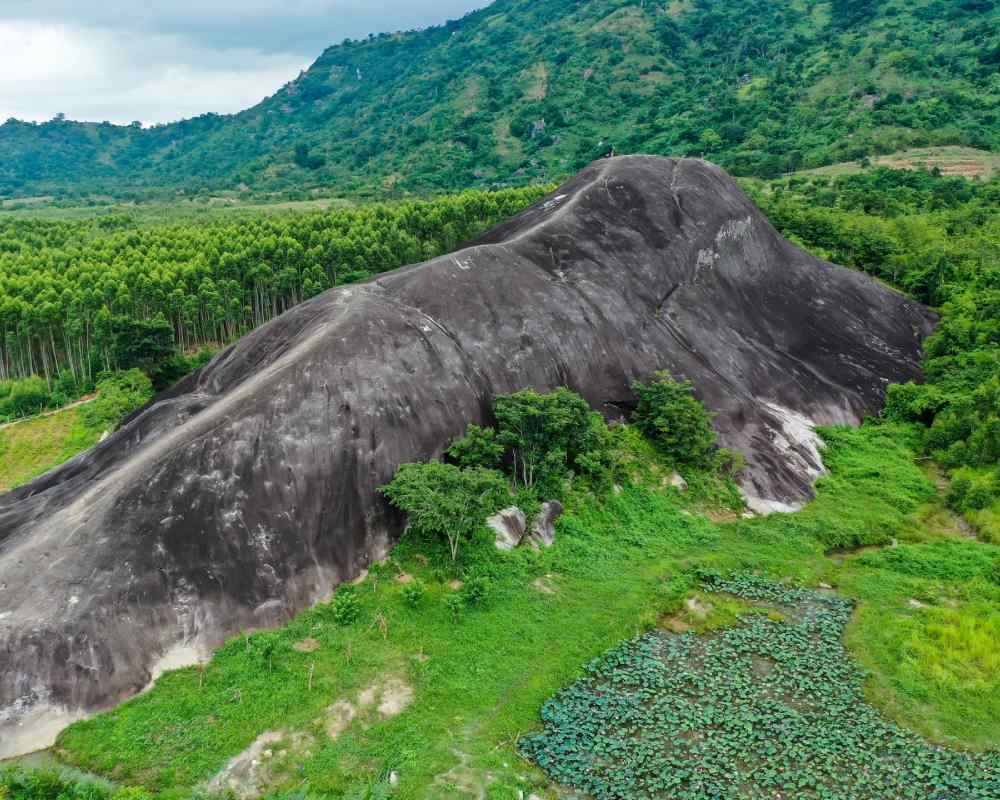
{"x": 247, "y": 492}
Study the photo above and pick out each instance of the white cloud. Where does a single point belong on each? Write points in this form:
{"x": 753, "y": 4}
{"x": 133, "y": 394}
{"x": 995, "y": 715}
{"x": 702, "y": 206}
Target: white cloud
{"x": 119, "y": 60}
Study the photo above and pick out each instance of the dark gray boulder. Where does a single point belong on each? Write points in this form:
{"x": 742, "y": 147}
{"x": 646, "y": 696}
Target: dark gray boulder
{"x": 247, "y": 492}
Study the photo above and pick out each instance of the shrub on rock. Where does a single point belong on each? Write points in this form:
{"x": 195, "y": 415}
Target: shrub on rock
{"x": 671, "y": 416}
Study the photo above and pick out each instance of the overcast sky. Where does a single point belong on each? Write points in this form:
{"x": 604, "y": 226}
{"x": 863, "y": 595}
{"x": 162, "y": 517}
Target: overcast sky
{"x": 162, "y": 60}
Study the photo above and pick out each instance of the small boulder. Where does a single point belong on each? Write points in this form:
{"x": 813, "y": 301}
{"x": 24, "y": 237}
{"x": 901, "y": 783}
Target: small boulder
{"x": 678, "y": 482}
{"x": 508, "y": 525}
{"x": 543, "y": 529}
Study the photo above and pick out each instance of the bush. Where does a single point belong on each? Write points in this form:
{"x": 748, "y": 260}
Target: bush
{"x": 442, "y": 500}
{"x": 346, "y": 606}
{"x": 117, "y": 396}
{"x": 413, "y": 593}
{"x": 972, "y": 491}
{"x": 22, "y": 784}
{"x": 24, "y": 398}
{"x": 477, "y": 590}
{"x": 670, "y": 415}
{"x": 551, "y": 435}
{"x": 454, "y": 602}
{"x": 478, "y": 448}
{"x": 911, "y": 402}
{"x": 177, "y": 366}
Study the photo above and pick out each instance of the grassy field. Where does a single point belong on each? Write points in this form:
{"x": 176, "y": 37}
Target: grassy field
{"x": 967, "y": 162}
{"x": 422, "y": 684}
{"x": 32, "y": 447}
{"x": 151, "y": 212}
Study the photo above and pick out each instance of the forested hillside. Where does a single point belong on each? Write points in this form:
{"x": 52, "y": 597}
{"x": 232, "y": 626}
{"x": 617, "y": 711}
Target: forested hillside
{"x": 529, "y": 90}
{"x": 77, "y": 298}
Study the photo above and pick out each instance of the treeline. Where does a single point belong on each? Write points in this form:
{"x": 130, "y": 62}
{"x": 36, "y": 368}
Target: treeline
{"x": 79, "y": 298}
{"x": 938, "y": 239}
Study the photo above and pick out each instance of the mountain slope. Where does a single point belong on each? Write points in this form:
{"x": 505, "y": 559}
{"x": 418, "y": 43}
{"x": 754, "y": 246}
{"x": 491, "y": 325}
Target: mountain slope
{"x": 526, "y": 89}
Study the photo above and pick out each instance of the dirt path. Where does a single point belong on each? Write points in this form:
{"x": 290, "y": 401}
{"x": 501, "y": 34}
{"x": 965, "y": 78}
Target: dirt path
{"x": 75, "y": 404}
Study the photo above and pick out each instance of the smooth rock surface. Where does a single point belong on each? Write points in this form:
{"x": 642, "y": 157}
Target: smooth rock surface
{"x": 509, "y": 525}
{"x": 543, "y": 527}
{"x": 248, "y": 491}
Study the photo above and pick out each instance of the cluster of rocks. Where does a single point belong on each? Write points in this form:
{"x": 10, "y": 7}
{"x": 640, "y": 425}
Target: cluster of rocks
{"x": 511, "y": 526}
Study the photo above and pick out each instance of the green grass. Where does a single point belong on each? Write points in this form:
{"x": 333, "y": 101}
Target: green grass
{"x": 31, "y": 448}
{"x": 154, "y": 212}
{"x": 968, "y": 162}
{"x": 987, "y": 522}
{"x": 928, "y": 639}
{"x": 621, "y": 563}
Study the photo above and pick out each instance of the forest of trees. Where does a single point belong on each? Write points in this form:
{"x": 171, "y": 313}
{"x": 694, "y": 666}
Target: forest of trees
{"x": 80, "y": 298}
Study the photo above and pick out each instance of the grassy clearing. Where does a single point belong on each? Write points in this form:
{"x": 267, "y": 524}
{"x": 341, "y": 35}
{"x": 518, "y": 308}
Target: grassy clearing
{"x": 967, "y": 162}
{"x": 157, "y": 212}
{"x": 480, "y": 668}
{"x": 31, "y": 448}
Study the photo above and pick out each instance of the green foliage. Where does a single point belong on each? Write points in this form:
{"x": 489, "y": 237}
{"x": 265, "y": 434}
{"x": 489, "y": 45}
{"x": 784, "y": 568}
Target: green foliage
{"x": 141, "y": 343}
{"x": 477, "y": 590}
{"x": 23, "y": 784}
{"x": 973, "y": 490}
{"x": 912, "y": 402}
{"x": 772, "y": 707}
{"x": 455, "y": 603}
{"x": 345, "y": 607}
{"x": 24, "y": 398}
{"x": 551, "y": 436}
{"x": 79, "y": 298}
{"x": 478, "y": 448}
{"x": 306, "y": 160}
{"x": 118, "y": 395}
{"x": 938, "y": 238}
{"x": 27, "y": 397}
{"x": 177, "y": 365}
{"x": 669, "y": 414}
{"x": 525, "y": 90}
{"x": 441, "y": 500}
{"x": 414, "y": 593}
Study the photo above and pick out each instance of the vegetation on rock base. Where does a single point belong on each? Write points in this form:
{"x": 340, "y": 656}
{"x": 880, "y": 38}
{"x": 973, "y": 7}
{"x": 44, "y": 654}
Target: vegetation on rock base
{"x": 939, "y": 239}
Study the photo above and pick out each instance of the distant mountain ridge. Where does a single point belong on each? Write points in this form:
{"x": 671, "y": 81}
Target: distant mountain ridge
{"x": 525, "y": 90}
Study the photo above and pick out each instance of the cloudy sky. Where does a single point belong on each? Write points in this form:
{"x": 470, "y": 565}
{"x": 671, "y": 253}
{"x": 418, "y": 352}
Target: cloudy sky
{"x": 162, "y": 60}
